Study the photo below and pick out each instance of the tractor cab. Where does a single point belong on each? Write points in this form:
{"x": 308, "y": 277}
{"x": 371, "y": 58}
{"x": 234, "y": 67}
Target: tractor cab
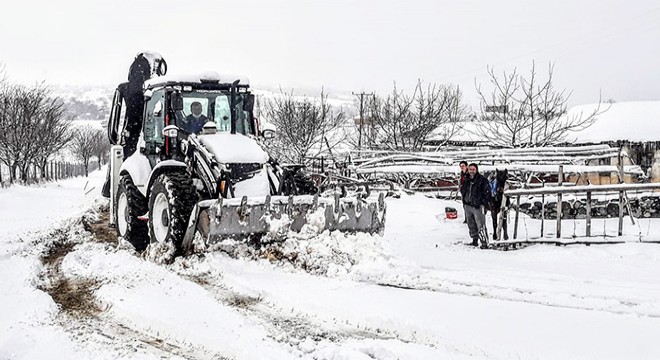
{"x": 193, "y": 104}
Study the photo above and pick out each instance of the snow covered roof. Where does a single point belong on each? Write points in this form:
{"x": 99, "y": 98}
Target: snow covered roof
{"x": 197, "y": 78}
{"x": 636, "y": 121}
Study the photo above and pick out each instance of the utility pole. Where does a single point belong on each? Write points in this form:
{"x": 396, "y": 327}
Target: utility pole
{"x": 361, "y": 97}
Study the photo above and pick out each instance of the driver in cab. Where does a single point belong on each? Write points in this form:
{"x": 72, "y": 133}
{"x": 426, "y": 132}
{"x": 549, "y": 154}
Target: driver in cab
{"x": 194, "y": 123}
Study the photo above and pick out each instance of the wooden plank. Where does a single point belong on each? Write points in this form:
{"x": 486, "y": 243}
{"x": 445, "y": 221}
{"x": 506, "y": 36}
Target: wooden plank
{"x": 595, "y": 241}
{"x": 630, "y": 213}
{"x": 542, "y": 213}
{"x": 500, "y": 218}
{"x": 621, "y": 178}
{"x": 515, "y": 228}
{"x": 560, "y": 180}
{"x": 584, "y": 189}
{"x": 588, "y": 213}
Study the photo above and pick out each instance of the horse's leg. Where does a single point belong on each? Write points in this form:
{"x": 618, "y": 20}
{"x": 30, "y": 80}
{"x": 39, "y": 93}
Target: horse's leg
{"x": 493, "y": 214}
{"x": 504, "y": 227}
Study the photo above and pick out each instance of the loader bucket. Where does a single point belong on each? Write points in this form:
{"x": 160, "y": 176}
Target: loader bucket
{"x": 222, "y": 218}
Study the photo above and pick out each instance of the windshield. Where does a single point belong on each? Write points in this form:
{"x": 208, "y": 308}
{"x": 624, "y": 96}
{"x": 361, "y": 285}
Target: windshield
{"x": 199, "y": 107}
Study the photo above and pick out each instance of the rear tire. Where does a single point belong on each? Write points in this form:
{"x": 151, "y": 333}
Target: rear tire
{"x": 130, "y": 204}
{"x": 172, "y": 199}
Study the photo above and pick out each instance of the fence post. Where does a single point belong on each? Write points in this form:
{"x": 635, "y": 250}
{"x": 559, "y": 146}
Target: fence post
{"x": 515, "y": 227}
{"x": 502, "y": 217}
{"x": 588, "y": 213}
{"x": 620, "y": 166}
{"x": 542, "y": 213}
{"x": 560, "y": 180}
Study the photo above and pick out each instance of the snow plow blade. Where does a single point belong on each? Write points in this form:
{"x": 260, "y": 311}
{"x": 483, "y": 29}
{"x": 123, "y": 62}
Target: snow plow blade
{"x": 217, "y": 219}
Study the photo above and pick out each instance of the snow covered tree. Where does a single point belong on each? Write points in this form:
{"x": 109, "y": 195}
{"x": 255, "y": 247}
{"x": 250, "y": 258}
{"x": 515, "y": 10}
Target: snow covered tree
{"x": 303, "y": 125}
{"x": 84, "y": 144}
{"x": 32, "y": 127}
{"x": 102, "y": 147}
{"x": 527, "y": 110}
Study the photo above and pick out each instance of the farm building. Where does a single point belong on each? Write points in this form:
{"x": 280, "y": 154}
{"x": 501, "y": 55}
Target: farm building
{"x": 633, "y": 127}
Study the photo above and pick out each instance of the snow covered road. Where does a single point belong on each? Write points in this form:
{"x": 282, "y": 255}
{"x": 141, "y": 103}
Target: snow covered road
{"x": 415, "y": 293}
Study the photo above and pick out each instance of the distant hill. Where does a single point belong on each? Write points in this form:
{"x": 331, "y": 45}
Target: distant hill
{"x": 85, "y": 102}
{"x": 93, "y": 102}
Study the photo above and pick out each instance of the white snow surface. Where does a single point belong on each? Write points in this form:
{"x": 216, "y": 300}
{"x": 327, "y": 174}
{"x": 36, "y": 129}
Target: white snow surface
{"x": 255, "y": 186}
{"x": 234, "y": 148}
{"x": 417, "y": 292}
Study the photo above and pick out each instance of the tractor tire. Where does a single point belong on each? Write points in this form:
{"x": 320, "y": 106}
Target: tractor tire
{"x": 173, "y": 196}
{"x": 130, "y": 204}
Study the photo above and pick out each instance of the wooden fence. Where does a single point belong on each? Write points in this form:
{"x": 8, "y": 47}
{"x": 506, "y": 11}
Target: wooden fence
{"x": 55, "y": 170}
{"x": 561, "y": 189}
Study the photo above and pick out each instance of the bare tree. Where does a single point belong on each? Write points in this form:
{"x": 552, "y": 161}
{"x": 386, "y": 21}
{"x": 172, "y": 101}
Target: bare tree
{"x": 404, "y": 122}
{"x": 32, "y": 128}
{"x": 52, "y": 133}
{"x": 388, "y": 116}
{"x": 27, "y": 117}
{"x": 102, "y": 147}
{"x": 527, "y": 111}
{"x": 11, "y": 131}
{"x": 84, "y": 144}
{"x": 2, "y": 111}
{"x": 304, "y": 125}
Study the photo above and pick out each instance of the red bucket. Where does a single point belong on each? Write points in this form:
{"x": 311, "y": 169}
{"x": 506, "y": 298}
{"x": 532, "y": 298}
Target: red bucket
{"x": 451, "y": 213}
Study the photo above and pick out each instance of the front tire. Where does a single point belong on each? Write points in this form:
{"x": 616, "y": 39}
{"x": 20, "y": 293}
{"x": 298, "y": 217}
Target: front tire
{"x": 130, "y": 204}
{"x": 172, "y": 199}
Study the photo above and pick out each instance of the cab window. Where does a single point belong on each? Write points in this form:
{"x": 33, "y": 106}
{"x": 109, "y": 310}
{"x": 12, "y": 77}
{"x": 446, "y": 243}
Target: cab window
{"x": 155, "y": 118}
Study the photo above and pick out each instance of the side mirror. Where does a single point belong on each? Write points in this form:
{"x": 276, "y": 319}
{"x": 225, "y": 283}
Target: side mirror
{"x": 248, "y": 103}
{"x": 269, "y": 131}
{"x": 176, "y": 101}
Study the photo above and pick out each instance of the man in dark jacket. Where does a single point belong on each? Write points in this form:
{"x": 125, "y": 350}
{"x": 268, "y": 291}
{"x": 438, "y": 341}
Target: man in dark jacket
{"x": 140, "y": 70}
{"x": 463, "y": 165}
{"x": 476, "y": 196}
{"x": 194, "y": 123}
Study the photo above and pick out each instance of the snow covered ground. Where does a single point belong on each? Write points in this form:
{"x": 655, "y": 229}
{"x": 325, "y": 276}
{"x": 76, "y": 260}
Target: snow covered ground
{"x": 416, "y": 293}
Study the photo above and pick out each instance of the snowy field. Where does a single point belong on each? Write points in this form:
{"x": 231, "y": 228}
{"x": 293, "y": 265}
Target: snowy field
{"x": 416, "y": 293}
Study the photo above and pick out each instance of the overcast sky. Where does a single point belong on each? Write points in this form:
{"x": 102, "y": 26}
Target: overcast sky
{"x": 608, "y": 46}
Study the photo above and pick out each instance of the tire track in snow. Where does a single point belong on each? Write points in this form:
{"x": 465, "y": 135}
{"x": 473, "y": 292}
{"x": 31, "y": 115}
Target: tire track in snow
{"x": 81, "y": 315}
{"x": 517, "y": 294}
{"x": 538, "y": 289}
{"x": 292, "y": 329}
